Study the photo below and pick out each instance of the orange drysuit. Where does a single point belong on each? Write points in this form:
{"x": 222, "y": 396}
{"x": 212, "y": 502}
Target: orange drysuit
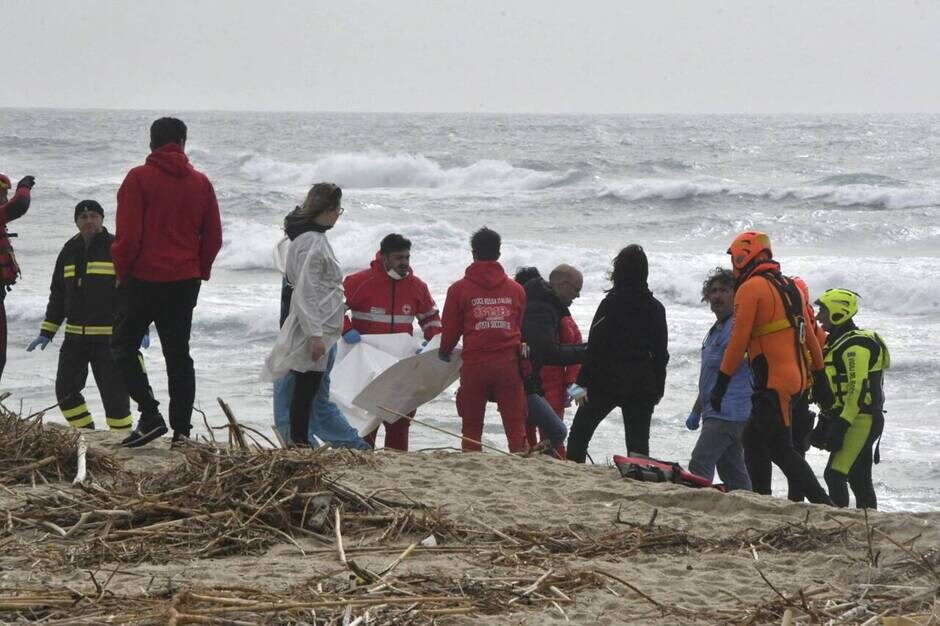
{"x": 761, "y": 327}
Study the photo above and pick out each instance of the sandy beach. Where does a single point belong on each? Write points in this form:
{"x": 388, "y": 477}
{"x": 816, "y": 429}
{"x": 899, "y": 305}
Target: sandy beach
{"x": 515, "y": 540}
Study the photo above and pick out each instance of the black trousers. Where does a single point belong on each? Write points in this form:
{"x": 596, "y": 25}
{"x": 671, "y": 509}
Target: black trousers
{"x": 306, "y": 385}
{"x": 637, "y": 415}
{"x": 859, "y": 478}
{"x": 74, "y": 358}
{"x": 767, "y": 440}
{"x": 801, "y": 427}
{"x": 170, "y": 307}
{"x": 3, "y": 330}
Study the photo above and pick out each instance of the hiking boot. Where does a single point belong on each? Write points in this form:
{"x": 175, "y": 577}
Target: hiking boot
{"x": 149, "y": 427}
{"x": 179, "y": 439}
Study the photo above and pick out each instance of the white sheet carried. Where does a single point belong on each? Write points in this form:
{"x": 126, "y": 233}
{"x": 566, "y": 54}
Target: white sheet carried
{"x": 383, "y": 370}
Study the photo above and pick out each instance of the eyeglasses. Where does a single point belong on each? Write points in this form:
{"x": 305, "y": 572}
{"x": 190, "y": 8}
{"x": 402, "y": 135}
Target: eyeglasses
{"x": 340, "y": 210}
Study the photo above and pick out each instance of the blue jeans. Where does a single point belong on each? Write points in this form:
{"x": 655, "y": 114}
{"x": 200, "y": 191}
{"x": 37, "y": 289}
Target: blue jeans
{"x": 542, "y": 415}
{"x": 327, "y": 422}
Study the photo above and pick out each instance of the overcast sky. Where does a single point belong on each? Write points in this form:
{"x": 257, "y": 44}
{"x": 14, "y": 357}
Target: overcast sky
{"x": 617, "y": 56}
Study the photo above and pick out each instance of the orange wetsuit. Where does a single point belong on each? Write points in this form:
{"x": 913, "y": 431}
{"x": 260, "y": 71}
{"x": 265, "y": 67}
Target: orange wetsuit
{"x": 761, "y": 327}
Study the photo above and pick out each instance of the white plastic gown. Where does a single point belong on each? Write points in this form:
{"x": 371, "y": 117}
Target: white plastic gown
{"x": 316, "y": 309}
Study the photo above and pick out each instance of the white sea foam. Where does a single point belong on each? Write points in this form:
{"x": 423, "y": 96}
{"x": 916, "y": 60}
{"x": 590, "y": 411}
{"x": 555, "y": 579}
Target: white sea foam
{"x": 863, "y": 195}
{"x": 248, "y": 245}
{"x": 440, "y": 252}
{"x": 378, "y": 170}
{"x": 853, "y": 194}
{"x": 665, "y": 189}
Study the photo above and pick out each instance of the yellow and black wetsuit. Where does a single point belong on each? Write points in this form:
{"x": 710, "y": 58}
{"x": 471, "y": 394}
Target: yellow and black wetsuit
{"x": 855, "y": 364}
{"x": 83, "y": 294}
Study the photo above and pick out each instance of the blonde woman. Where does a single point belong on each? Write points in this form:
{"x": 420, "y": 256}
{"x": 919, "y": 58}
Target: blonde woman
{"x": 315, "y": 318}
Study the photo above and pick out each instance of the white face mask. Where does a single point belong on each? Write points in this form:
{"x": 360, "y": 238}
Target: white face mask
{"x": 394, "y": 275}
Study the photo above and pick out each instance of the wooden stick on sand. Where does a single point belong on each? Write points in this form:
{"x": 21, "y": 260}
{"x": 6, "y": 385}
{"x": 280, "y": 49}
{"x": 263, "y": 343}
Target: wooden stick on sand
{"x": 446, "y": 432}
{"x": 339, "y": 536}
{"x": 235, "y": 427}
{"x": 80, "y": 463}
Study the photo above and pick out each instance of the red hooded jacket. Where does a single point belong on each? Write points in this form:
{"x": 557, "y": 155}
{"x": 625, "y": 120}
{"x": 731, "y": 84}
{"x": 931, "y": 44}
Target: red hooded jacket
{"x": 168, "y": 222}
{"x": 379, "y": 304}
{"x": 486, "y": 307}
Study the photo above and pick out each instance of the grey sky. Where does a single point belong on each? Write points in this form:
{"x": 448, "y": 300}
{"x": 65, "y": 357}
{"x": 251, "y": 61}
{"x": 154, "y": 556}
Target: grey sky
{"x": 661, "y": 56}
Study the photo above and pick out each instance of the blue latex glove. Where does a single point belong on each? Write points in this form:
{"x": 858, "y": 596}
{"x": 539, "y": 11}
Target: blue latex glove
{"x": 421, "y": 347}
{"x": 39, "y": 341}
{"x": 444, "y": 356}
{"x": 693, "y": 420}
{"x": 145, "y": 342}
{"x": 352, "y": 336}
{"x": 577, "y": 393}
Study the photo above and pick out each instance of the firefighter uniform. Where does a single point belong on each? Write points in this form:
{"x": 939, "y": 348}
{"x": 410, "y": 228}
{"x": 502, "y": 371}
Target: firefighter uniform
{"x": 83, "y": 294}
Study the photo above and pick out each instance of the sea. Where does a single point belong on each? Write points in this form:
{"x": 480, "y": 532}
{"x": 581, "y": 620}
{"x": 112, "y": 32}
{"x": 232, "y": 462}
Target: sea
{"x": 848, "y": 201}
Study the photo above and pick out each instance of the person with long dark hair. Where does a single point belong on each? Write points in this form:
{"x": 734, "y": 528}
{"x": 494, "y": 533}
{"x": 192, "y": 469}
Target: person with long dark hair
{"x": 626, "y": 358}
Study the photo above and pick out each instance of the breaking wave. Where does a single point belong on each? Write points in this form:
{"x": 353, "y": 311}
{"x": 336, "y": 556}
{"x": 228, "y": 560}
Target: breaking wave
{"x": 377, "y": 170}
{"x": 841, "y": 191}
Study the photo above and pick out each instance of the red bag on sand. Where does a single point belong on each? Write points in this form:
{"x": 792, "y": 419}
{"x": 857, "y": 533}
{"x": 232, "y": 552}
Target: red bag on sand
{"x": 654, "y": 471}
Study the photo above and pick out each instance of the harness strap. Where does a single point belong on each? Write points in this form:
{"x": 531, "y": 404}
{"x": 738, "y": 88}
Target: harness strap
{"x": 771, "y": 327}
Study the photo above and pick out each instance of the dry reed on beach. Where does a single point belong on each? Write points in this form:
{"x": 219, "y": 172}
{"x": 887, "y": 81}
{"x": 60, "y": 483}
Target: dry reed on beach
{"x": 30, "y": 451}
{"x": 221, "y": 501}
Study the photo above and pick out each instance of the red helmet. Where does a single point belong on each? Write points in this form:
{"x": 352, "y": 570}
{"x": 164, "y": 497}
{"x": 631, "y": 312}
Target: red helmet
{"x": 746, "y": 246}
{"x": 5, "y": 181}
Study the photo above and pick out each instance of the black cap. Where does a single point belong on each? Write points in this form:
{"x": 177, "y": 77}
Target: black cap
{"x": 88, "y": 205}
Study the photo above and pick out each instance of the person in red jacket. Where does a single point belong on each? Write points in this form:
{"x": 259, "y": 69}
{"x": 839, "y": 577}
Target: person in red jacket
{"x": 10, "y": 209}
{"x": 486, "y": 307}
{"x": 168, "y": 233}
{"x": 567, "y": 282}
{"x": 388, "y": 298}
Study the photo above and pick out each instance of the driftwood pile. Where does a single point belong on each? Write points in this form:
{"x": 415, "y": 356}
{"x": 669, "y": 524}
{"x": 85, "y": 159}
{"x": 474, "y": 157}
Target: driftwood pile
{"x": 31, "y": 451}
{"x": 223, "y": 501}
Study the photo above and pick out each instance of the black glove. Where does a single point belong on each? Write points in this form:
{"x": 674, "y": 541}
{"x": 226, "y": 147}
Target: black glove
{"x": 821, "y": 432}
{"x": 721, "y": 386}
{"x": 836, "y": 435}
{"x": 822, "y": 392}
{"x": 26, "y": 181}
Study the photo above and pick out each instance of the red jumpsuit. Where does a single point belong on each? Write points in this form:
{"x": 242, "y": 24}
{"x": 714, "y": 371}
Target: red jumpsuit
{"x": 486, "y": 308}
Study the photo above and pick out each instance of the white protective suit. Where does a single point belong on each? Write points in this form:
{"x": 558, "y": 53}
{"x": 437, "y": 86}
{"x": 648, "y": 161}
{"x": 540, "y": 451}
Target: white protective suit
{"x": 316, "y": 309}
